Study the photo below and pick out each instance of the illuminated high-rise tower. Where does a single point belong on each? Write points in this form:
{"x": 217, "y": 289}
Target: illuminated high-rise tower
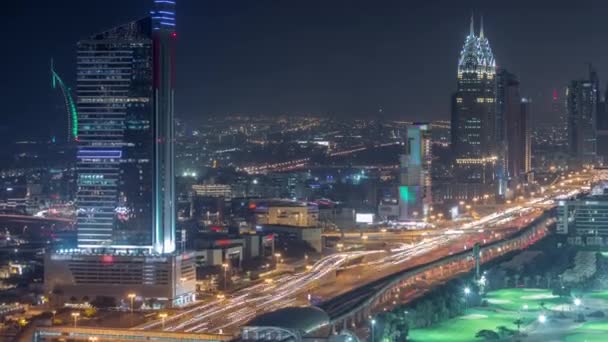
{"x": 126, "y": 142}
{"x": 163, "y": 36}
{"x": 70, "y": 105}
{"x": 415, "y": 177}
{"x": 474, "y": 122}
{"x": 582, "y": 98}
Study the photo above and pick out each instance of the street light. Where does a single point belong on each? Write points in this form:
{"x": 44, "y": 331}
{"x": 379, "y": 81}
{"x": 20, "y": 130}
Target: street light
{"x": 162, "y": 316}
{"x": 75, "y": 316}
{"x": 542, "y": 318}
{"x": 131, "y": 296}
{"x": 225, "y": 267}
{"x": 577, "y": 301}
{"x": 277, "y": 256}
{"x": 373, "y": 323}
{"x": 467, "y": 291}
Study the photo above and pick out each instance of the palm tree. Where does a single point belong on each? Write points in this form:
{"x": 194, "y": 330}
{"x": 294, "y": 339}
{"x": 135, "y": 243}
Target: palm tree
{"x": 518, "y": 322}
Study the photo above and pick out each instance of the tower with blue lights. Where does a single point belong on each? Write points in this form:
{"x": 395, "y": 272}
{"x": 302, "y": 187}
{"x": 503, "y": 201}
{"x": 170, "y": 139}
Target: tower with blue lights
{"x": 163, "y": 37}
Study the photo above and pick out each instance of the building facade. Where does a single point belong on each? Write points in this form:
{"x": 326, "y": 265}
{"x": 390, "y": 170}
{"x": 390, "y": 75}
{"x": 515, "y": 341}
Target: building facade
{"x": 125, "y": 168}
{"x": 585, "y": 220}
{"x": 474, "y": 129}
{"x": 415, "y": 196}
{"x": 582, "y": 98}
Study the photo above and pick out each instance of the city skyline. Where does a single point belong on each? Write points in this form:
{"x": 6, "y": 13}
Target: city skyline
{"x": 341, "y": 171}
{"x": 364, "y": 63}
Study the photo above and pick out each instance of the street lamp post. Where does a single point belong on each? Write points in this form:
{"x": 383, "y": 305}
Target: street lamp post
{"x": 577, "y": 305}
{"x": 162, "y": 316}
{"x": 225, "y": 267}
{"x": 131, "y": 296}
{"x": 75, "y": 316}
{"x": 373, "y": 324}
{"x": 467, "y": 291}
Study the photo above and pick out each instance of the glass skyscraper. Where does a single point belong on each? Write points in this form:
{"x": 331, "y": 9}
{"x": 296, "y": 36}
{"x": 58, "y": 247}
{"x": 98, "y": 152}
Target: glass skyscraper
{"x": 125, "y": 95}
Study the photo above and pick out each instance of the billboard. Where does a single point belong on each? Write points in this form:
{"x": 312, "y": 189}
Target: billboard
{"x": 364, "y": 218}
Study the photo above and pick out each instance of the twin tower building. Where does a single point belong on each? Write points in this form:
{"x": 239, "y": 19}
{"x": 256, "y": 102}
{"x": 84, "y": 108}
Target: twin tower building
{"x": 125, "y": 169}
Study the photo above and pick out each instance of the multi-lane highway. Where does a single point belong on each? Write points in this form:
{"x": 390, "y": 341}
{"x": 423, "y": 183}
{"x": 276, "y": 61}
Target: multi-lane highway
{"x": 229, "y": 313}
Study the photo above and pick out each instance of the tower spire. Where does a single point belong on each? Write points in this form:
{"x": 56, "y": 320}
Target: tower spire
{"x": 481, "y": 27}
{"x": 472, "y": 27}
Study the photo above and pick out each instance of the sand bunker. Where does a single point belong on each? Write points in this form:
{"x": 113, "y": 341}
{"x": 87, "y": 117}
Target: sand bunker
{"x": 474, "y": 316}
{"x": 498, "y": 301}
{"x": 540, "y": 296}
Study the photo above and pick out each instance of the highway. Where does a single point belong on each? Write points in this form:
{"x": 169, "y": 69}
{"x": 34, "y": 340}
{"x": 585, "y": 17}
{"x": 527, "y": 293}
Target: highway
{"x": 228, "y": 314}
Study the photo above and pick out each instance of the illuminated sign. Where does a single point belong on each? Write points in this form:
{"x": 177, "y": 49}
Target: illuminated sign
{"x": 364, "y": 218}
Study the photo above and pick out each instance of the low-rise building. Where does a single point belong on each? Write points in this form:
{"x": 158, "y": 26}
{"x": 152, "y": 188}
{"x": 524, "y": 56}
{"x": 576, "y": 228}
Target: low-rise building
{"x": 169, "y": 280}
{"x": 585, "y": 220}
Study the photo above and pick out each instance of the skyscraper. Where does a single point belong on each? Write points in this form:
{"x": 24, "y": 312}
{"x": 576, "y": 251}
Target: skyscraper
{"x": 560, "y": 120}
{"x": 474, "y": 127}
{"x": 513, "y": 128}
{"x": 125, "y": 167}
{"x": 70, "y": 105}
{"x": 582, "y": 99}
{"x": 415, "y": 177}
{"x": 125, "y": 158}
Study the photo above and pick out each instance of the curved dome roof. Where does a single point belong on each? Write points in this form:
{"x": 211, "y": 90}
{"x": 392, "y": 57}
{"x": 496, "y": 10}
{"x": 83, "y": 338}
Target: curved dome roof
{"x": 302, "y": 319}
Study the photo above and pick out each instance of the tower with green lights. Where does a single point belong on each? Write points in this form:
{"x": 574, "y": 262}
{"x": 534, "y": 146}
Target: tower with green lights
{"x": 70, "y": 105}
{"x": 415, "y": 178}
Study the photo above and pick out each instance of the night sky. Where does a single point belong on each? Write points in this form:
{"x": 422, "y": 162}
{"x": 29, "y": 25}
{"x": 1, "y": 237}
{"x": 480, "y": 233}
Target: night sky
{"x": 327, "y": 57}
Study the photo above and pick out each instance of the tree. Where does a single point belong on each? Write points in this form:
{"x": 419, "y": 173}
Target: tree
{"x": 516, "y": 276}
{"x": 507, "y": 280}
{"x": 526, "y": 281}
{"x": 504, "y": 331}
{"x": 518, "y": 323}
{"x": 537, "y": 278}
{"x": 90, "y": 312}
{"x": 487, "y": 335}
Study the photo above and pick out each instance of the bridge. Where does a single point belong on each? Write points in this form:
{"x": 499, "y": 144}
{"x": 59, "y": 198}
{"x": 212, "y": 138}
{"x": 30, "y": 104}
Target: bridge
{"x": 354, "y": 308}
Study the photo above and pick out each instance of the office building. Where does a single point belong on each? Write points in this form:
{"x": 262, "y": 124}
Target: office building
{"x": 474, "y": 129}
{"x": 125, "y": 156}
{"x": 287, "y": 213}
{"x": 585, "y": 220}
{"x": 560, "y": 119}
{"x": 582, "y": 100}
{"x": 125, "y": 168}
{"x": 415, "y": 197}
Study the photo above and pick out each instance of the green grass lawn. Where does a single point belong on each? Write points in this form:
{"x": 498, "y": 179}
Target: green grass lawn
{"x": 505, "y": 306}
{"x": 589, "y": 332}
{"x": 598, "y": 294}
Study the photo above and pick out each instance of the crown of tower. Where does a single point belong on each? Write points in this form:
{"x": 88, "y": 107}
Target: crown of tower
{"x": 476, "y": 55}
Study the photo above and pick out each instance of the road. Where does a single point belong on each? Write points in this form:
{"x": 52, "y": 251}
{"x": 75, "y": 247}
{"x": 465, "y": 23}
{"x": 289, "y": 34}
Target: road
{"x": 227, "y": 315}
